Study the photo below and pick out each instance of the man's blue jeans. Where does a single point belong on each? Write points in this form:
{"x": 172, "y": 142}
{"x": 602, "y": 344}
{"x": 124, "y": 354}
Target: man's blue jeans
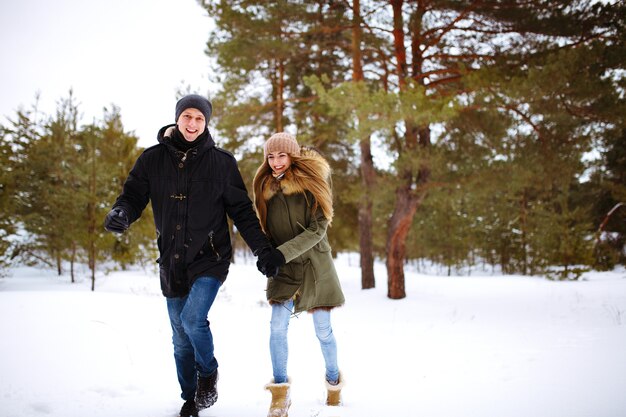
{"x": 279, "y": 348}
{"x": 192, "y": 338}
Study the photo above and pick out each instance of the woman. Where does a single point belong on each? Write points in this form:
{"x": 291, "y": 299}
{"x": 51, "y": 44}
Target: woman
{"x": 293, "y": 198}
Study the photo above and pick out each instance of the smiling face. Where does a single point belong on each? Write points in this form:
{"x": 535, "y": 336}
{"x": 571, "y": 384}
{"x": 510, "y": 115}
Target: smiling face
{"x": 191, "y": 124}
{"x": 279, "y": 162}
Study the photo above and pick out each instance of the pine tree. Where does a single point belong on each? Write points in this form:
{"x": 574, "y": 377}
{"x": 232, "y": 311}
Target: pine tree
{"x": 17, "y": 139}
{"x": 7, "y": 201}
{"x": 264, "y": 51}
{"x": 607, "y": 189}
{"x": 427, "y": 66}
{"x": 63, "y": 178}
{"x": 104, "y": 149}
{"x": 118, "y": 151}
{"x": 43, "y": 172}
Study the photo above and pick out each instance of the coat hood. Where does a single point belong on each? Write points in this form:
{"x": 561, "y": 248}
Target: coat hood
{"x": 164, "y": 137}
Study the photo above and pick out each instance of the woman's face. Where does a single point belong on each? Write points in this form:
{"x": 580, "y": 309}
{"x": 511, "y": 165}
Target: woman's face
{"x": 279, "y": 162}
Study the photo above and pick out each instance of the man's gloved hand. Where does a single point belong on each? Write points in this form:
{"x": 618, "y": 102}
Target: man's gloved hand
{"x": 270, "y": 261}
{"x": 116, "y": 221}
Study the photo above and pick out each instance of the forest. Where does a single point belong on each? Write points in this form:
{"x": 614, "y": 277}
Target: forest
{"x": 461, "y": 133}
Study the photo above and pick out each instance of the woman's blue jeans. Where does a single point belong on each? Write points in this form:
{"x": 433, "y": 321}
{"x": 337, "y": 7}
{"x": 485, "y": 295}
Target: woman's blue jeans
{"x": 279, "y": 348}
{"x": 192, "y": 338}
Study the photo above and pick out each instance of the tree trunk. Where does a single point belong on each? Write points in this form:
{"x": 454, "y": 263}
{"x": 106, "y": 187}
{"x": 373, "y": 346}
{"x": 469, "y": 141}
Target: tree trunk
{"x": 411, "y": 191}
{"x": 59, "y": 263}
{"x": 523, "y": 227}
{"x": 366, "y": 246}
{"x": 91, "y": 213}
{"x": 280, "y": 99}
{"x": 357, "y": 65}
{"x": 400, "y": 221}
{"x": 72, "y": 262}
{"x": 399, "y": 225}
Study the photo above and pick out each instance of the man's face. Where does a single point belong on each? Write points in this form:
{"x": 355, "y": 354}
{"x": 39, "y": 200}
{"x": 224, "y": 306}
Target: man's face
{"x": 191, "y": 124}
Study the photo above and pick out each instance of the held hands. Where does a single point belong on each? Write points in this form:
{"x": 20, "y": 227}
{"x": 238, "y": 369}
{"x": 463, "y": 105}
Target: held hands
{"x": 269, "y": 262}
{"x": 116, "y": 221}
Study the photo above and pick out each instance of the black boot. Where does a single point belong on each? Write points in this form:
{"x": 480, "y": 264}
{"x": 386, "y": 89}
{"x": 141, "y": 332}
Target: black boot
{"x": 206, "y": 392}
{"x": 189, "y": 409}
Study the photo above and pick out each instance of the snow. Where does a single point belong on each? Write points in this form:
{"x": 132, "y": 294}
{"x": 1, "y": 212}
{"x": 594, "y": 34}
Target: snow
{"x": 504, "y": 346}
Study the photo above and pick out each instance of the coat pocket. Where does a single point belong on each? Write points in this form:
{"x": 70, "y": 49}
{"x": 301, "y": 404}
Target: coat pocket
{"x": 209, "y": 249}
{"x": 290, "y": 274}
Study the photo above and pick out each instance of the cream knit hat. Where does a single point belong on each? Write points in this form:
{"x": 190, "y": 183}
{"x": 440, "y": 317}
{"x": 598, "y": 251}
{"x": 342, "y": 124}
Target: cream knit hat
{"x": 281, "y": 142}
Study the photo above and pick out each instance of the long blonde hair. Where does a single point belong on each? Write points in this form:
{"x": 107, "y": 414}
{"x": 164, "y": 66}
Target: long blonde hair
{"x": 308, "y": 172}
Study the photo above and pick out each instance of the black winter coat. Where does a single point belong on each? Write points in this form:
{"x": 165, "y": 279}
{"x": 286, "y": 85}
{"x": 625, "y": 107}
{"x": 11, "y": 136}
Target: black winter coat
{"x": 191, "y": 194}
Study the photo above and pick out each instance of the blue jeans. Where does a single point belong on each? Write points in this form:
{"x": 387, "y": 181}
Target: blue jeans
{"x": 192, "y": 338}
{"x": 279, "y": 348}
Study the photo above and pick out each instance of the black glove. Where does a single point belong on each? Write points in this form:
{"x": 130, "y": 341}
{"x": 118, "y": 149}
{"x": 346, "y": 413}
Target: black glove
{"x": 116, "y": 221}
{"x": 270, "y": 261}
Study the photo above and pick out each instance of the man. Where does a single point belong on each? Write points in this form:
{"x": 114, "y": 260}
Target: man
{"x": 192, "y": 186}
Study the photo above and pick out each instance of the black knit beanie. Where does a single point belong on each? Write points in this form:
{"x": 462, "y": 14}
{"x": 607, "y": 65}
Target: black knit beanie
{"x": 196, "y": 102}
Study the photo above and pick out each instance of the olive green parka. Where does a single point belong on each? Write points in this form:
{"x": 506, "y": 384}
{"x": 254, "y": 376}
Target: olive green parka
{"x": 297, "y": 227}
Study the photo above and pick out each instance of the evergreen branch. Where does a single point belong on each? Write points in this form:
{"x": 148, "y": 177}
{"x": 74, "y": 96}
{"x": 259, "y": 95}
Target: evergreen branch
{"x": 368, "y": 14}
{"x": 606, "y": 220}
{"x": 512, "y": 108}
{"x": 271, "y": 104}
{"x": 526, "y": 118}
{"x": 444, "y": 29}
{"x": 460, "y": 57}
{"x": 446, "y": 80}
{"x": 38, "y": 257}
{"x": 376, "y": 28}
{"x": 578, "y": 111}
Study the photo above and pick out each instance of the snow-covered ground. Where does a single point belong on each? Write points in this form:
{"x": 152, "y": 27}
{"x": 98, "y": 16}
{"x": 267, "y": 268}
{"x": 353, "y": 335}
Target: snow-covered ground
{"x": 501, "y": 346}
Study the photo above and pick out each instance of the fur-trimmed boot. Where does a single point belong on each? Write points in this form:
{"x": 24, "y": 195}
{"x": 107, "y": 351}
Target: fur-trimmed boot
{"x": 280, "y": 399}
{"x": 334, "y": 392}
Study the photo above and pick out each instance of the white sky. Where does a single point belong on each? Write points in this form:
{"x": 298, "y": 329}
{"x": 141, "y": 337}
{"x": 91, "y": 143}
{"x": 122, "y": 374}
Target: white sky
{"x": 132, "y": 53}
